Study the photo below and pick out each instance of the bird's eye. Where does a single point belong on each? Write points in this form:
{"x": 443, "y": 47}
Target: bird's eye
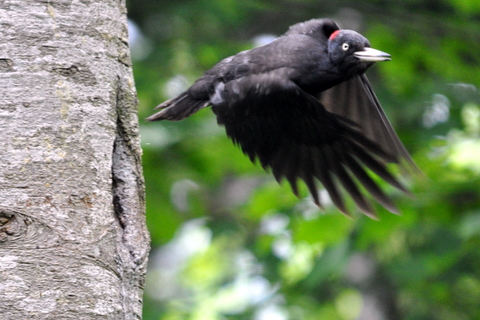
{"x": 345, "y": 46}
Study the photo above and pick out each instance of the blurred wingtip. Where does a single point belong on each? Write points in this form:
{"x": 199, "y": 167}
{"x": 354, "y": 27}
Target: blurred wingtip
{"x": 371, "y": 214}
{"x": 346, "y": 213}
{"x": 316, "y": 200}
{"x": 154, "y": 117}
{"x": 161, "y": 115}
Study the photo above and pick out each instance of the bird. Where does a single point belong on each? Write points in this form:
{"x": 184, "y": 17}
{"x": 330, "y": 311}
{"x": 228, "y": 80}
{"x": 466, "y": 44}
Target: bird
{"x": 303, "y": 107}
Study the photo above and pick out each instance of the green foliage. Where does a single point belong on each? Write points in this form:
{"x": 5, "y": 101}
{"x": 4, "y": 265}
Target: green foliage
{"x": 229, "y": 242}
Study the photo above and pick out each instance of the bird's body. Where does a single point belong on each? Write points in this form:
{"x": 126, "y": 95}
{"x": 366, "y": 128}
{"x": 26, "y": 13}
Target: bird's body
{"x": 303, "y": 106}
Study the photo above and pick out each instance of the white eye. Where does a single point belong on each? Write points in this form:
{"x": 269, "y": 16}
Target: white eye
{"x": 345, "y": 46}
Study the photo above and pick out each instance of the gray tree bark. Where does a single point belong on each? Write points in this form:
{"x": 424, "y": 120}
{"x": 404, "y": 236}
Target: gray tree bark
{"x": 73, "y": 240}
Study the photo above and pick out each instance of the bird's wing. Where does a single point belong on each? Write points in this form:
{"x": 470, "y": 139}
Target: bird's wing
{"x": 292, "y": 133}
{"x": 356, "y": 101}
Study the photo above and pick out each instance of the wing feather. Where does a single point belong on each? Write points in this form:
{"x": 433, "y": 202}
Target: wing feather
{"x": 298, "y": 138}
{"x": 355, "y": 100}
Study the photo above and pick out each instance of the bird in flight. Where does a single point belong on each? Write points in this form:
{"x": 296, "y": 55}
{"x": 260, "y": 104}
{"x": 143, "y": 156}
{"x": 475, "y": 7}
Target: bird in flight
{"x": 304, "y": 108}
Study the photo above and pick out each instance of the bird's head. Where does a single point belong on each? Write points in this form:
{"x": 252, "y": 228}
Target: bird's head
{"x": 351, "y": 52}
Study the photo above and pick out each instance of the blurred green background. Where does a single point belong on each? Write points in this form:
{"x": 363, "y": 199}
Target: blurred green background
{"x": 228, "y": 242}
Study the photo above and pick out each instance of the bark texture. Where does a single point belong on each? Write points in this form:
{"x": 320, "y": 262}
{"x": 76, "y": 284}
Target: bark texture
{"x": 73, "y": 240}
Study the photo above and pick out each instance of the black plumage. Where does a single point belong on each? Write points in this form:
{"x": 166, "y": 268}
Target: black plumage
{"x": 304, "y": 108}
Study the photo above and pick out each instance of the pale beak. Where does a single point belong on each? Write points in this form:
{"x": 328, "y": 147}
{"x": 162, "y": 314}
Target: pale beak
{"x": 370, "y": 54}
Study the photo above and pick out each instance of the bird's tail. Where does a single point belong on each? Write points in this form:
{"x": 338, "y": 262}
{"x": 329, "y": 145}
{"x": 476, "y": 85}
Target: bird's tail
{"x": 178, "y": 108}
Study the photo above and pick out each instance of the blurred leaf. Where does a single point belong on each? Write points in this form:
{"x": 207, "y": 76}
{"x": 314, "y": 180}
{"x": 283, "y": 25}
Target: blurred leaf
{"x": 326, "y": 229}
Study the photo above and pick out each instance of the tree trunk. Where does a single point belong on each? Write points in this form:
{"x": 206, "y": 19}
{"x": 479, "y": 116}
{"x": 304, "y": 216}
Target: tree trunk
{"x": 73, "y": 240}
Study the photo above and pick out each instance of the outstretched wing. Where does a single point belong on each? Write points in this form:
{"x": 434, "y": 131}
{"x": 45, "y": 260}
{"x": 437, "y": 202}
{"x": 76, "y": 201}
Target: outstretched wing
{"x": 355, "y": 100}
{"x": 292, "y": 133}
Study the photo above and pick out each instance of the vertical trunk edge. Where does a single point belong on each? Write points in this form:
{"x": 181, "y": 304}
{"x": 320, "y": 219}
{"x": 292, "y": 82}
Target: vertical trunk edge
{"x": 129, "y": 200}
